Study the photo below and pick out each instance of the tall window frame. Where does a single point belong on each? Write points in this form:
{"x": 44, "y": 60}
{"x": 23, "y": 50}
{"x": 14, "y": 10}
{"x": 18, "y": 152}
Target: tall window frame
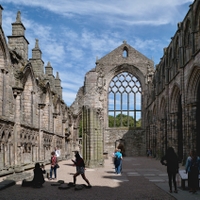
{"x": 125, "y": 101}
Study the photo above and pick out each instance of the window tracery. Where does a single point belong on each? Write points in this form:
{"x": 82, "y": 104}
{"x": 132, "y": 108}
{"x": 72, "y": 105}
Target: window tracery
{"x": 124, "y": 107}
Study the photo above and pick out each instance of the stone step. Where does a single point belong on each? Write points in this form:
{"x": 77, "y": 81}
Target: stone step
{"x": 6, "y": 183}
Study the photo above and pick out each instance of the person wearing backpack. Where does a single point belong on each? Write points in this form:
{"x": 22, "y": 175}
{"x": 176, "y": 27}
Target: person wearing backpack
{"x": 193, "y": 168}
{"x": 118, "y": 162}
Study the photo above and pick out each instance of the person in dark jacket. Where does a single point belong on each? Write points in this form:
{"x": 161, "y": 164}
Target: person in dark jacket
{"x": 38, "y": 178}
{"x": 193, "y": 168}
{"x": 80, "y": 168}
{"x": 170, "y": 159}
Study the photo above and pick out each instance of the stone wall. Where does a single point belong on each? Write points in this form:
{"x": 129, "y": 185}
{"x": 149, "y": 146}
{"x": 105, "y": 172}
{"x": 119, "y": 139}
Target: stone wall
{"x": 33, "y": 116}
{"x": 173, "y": 113}
{"x": 94, "y": 96}
{"x": 133, "y": 141}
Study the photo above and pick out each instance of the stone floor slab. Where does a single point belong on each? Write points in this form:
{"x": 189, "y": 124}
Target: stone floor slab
{"x": 6, "y": 183}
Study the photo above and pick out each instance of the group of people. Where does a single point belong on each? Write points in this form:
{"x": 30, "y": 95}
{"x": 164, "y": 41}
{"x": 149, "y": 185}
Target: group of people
{"x": 78, "y": 162}
{"x": 39, "y": 170}
{"x": 117, "y": 160}
{"x": 170, "y": 159}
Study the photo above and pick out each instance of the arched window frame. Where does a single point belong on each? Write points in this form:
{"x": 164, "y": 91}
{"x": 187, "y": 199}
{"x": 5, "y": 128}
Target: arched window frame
{"x": 125, "y": 52}
{"x": 125, "y": 101}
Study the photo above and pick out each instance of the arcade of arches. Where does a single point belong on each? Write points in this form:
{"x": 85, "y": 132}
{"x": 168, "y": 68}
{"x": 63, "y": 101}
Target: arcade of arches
{"x": 125, "y": 101}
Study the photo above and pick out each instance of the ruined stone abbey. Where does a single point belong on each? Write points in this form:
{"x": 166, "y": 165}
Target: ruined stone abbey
{"x": 125, "y": 101}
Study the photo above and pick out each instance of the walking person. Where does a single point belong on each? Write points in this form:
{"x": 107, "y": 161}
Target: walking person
{"x": 118, "y": 162}
{"x": 80, "y": 169}
{"x": 113, "y": 156}
{"x": 53, "y": 168}
{"x": 193, "y": 168}
{"x": 170, "y": 159}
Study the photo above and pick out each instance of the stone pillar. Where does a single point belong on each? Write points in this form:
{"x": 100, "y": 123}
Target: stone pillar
{"x": 54, "y": 123}
{"x": 186, "y": 131}
{"x": 92, "y": 150}
{"x": 11, "y": 155}
{"x": 193, "y": 126}
{"x": 6, "y": 154}
{"x": 17, "y": 126}
{"x": 3, "y": 86}
{"x": 63, "y": 151}
{"x": 92, "y": 138}
{"x": 159, "y": 138}
{"x": 100, "y": 139}
{"x": 33, "y": 153}
{"x": 173, "y": 138}
{"x": 40, "y": 142}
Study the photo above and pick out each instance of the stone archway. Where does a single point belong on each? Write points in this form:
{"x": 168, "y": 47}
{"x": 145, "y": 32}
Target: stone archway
{"x": 176, "y": 116}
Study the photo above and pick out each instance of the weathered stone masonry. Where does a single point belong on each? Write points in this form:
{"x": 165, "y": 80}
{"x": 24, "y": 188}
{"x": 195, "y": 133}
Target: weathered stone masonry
{"x": 34, "y": 118}
{"x": 170, "y": 95}
{"x": 172, "y": 111}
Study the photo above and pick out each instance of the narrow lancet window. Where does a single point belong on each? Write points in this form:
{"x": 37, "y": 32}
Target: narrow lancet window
{"x": 125, "y": 52}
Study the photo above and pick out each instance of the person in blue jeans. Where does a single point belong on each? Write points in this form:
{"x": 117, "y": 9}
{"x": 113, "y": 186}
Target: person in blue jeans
{"x": 118, "y": 161}
{"x": 192, "y": 168}
{"x": 53, "y": 168}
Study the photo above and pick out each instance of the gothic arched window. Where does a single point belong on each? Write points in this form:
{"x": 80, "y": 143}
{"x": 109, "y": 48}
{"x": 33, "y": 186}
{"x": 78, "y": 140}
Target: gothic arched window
{"x": 124, "y": 107}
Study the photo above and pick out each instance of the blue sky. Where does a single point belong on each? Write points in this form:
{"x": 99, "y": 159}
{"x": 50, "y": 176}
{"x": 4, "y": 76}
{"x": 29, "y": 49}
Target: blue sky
{"x": 73, "y": 33}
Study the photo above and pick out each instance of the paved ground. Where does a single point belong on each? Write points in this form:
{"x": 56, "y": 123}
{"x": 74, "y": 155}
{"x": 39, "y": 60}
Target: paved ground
{"x": 142, "y": 178}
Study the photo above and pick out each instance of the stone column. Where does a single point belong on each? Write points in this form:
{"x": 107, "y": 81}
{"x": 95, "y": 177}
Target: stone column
{"x": 40, "y": 142}
{"x": 160, "y": 137}
{"x": 6, "y": 154}
{"x": 17, "y": 127}
{"x": 100, "y": 139}
{"x": 174, "y": 136}
{"x": 54, "y": 123}
{"x": 186, "y": 130}
{"x": 63, "y": 151}
{"x": 192, "y": 126}
{"x": 11, "y": 155}
{"x": 3, "y": 97}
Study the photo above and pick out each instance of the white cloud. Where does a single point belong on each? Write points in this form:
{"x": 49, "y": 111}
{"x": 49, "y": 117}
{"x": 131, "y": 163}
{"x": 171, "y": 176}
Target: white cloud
{"x": 68, "y": 97}
{"x": 126, "y": 11}
{"x": 86, "y": 29}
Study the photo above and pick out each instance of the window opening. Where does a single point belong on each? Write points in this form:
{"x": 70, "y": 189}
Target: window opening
{"x": 125, "y": 52}
{"x": 124, "y": 104}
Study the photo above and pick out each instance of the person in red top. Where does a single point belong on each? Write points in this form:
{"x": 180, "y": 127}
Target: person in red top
{"x": 53, "y": 166}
